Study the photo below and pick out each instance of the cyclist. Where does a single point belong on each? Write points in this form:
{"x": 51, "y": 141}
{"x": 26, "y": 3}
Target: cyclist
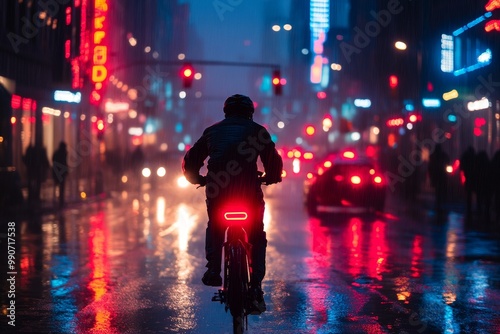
{"x": 233, "y": 146}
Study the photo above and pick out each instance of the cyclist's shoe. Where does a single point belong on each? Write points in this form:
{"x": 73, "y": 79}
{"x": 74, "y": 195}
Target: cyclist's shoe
{"x": 257, "y": 303}
{"x": 212, "y": 278}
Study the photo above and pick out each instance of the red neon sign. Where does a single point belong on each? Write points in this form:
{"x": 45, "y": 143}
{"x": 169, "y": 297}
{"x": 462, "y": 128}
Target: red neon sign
{"x": 75, "y": 70}
{"x": 492, "y": 25}
{"x": 492, "y": 4}
{"x": 26, "y": 104}
{"x": 15, "y": 101}
{"x": 84, "y": 33}
{"x": 67, "y": 49}
{"x": 99, "y": 71}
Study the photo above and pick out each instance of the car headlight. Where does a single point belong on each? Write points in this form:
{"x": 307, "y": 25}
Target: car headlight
{"x": 161, "y": 171}
{"x": 146, "y": 172}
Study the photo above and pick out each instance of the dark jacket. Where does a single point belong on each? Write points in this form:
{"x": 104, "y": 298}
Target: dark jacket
{"x": 233, "y": 147}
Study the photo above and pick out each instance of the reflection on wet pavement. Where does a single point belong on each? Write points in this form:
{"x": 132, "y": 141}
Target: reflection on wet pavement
{"x": 133, "y": 264}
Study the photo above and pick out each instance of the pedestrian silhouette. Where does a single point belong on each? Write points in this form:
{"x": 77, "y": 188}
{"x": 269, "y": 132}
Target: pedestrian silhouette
{"x": 467, "y": 166}
{"x": 37, "y": 166}
{"x": 484, "y": 184}
{"x": 60, "y": 170}
{"x": 438, "y": 161}
{"x": 137, "y": 160}
{"x": 495, "y": 172}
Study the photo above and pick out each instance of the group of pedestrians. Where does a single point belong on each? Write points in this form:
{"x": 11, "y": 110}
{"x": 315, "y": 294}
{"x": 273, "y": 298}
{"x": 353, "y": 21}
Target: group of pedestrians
{"x": 38, "y": 169}
{"x": 482, "y": 182}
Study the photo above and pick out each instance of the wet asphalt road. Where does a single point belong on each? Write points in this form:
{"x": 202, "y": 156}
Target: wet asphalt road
{"x": 133, "y": 264}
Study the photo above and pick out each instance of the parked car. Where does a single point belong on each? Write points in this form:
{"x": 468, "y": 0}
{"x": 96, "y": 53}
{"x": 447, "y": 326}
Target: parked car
{"x": 345, "y": 180}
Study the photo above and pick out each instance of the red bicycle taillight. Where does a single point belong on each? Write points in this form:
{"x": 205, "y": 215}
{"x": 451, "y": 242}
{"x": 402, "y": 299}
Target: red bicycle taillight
{"x": 236, "y": 215}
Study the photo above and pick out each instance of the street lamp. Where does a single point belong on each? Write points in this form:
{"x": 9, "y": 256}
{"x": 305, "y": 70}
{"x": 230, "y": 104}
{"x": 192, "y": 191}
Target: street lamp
{"x": 400, "y": 45}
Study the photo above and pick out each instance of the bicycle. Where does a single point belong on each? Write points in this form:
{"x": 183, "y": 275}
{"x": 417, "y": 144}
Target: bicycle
{"x": 236, "y": 255}
{"x": 237, "y": 263}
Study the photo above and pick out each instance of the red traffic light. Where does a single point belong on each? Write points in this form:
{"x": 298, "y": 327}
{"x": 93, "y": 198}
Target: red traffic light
{"x": 393, "y": 81}
{"x": 187, "y": 72}
{"x": 277, "y": 82}
{"x": 187, "y": 75}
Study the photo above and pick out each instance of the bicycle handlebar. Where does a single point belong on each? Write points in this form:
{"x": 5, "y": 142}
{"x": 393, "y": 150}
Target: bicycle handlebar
{"x": 260, "y": 176}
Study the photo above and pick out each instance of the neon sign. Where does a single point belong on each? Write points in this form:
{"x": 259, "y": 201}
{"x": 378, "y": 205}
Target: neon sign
{"x": 99, "y": 71}
{"x": 492, "y": 4}
{"x": 492, "y": 25}
{"x": 459, "y": 59}
{"x": 319, "y": 23}
{"x": 100, "y": 51}
{"x": 447, "y": 53}
{"x": 67, "y": 96}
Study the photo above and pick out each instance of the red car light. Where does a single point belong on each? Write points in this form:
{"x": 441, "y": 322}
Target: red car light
{"x": 338, "y": 178}
{"x": 377, "y": 179}
{"x": 355, "y": 179}
{"x": 349, "y": 155}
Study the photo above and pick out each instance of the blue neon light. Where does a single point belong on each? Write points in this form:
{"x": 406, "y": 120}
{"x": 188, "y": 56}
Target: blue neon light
{"x": 431, "y": 103}
{"x": 483, "y": 59}
{"x": 472, "y": 23}
{"x": 319, "y": 19}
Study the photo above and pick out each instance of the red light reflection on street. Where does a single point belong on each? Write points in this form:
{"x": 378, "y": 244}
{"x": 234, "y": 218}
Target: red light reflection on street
{"x": 320, "y": 243}
{"x": 27, "y": 265}
{"x": 318, "y": 267}
{"x": 98, "y": 263}
{"x": 416, "y": 257}
{"x": 354, "y": 245}
{"x": 378, "y": 250}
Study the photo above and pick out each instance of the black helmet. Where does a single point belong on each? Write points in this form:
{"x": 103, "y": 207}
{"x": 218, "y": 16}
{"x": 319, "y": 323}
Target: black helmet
{"x": 239, "y": 105}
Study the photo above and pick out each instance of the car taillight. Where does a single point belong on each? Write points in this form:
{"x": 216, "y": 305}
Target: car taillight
{"x": 355, "y": 179}
{"x": 338, "y": 178}
{"x": 377, "y": 179}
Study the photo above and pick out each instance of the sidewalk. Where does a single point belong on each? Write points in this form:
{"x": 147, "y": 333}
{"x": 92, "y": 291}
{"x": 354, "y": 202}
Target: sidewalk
{"x": 77, "y": 192}
{"x": 424, "y": 200}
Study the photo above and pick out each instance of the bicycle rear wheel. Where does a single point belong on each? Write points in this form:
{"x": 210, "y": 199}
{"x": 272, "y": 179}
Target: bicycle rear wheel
{"x": 237, "y": 288}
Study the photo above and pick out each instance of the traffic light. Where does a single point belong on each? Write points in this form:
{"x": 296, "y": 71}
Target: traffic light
{"x": 393, "y": 81}
{"x": 100, "y": 128}
{"x": 187, "y": 75}
{"x": 277, "y": 86}
{"x": 310, "y": 130}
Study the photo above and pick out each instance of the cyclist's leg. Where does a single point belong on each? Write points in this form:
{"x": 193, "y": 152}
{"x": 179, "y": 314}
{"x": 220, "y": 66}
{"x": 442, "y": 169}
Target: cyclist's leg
{"x": 257, "y": 237}
{"x": 214, "y": 239}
